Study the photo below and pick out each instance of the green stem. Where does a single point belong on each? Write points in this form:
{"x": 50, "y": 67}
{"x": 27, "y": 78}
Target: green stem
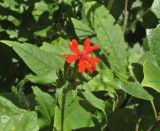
{"x": 109, "y": 5}
{"x": 62, "y": 108}
{"x": 154, "y": 110}
{"x": 62, "y": 112}
{"x": 125, "y": 15}
{"x": 64, "y": 93}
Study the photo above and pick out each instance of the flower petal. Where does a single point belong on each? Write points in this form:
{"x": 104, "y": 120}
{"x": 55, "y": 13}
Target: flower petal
{"x": 86, "y": 44}
{"x": 87, "y": 47}
{"x": 93, "y": 48}
{"x": 93, "y": 62}
{"x": 66, "y": 55}
{"x": 70, "y": 58}
{"x": 83, "y": 65}
{"x": 74, "y": 46}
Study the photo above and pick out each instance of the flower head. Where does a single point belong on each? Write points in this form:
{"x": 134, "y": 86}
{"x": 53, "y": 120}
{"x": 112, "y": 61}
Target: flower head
{"x": 84, "y": 61}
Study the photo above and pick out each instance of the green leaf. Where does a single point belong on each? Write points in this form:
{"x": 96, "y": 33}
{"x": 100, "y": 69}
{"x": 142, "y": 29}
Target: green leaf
{"x": 109, "y": 37}
{"x": 14, "y": 20}
{"x": 154, "y": 42}
{"x": 57, "y": 47}
{"x": 151, "y": 76}
{"x": 106, "y": 82}
{"x": 42, "y": 32}
{"x": 45, "y": 107}
{"x": 102, "y": 82}
{"x": 69, "y": 2}
{"x": 75, "y": 116}
{"x": 134, "y": 89}
{"x": 45, "y": 78}
{"x": 156, "y": 8}
{"x": 1, "y": 29}
{"x": 135, "y": 53}
{"x": 40, "y": 8}
{"x": 147, "y": 56}
{"x": 10, "y": 3}
{"x": 93, "y": 100}
{"x": 82, "y": 30}
{"x": 13, "y": 118}
{"x": 12, "y": 33}
{"x": 38, "y": 60}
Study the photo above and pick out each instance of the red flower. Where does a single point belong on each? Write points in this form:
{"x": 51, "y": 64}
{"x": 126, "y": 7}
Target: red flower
{"x": 85, "y": 62}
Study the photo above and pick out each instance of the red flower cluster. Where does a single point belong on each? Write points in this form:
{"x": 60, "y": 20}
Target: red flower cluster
{"x": 85, "y": 62}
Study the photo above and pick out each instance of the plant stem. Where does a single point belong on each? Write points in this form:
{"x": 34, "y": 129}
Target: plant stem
{"x": 138, "y": 124}
{"x": 125, "y": 15}
{"x": 154, "y": 110}
{"x": 109, "y": 5}
{"x": 62, "y": 112}
{"x": 151, "y": 128}
{"x": 64, "y": 93}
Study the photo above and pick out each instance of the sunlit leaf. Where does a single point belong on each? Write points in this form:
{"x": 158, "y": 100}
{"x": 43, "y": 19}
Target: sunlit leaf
{"x": 134, "y": 89}
{"x": 156, "y": 8}
{"x": 151, "y": 76}
{"x": 93, "y": 100}
{"x": 35, "y": 58}
{"x": 75, "y": 115}
{"x": 13, "y": 118}
{"x": 45, "y": 78}
{"x": 82, "y": 30}
{"x": 154, "y": 42}
{"x": 45, "y": 107}
{"x": 109, "y": 36}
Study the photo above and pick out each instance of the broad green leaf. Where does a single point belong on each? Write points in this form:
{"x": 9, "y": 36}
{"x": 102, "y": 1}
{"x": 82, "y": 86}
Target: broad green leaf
{"x": 93, "y": 100}
{"x": 154, "y": 42}
{"x": 151, "y": 76}
{"x": 102, "y": 82}
{"x": 45, "y": 78}
{"x": 134, "y": 89}
{"x": 45, "y": 107}
{"x": 75, "y": 116}
{"x": 135, "y": 53}
{"x": 156, "y": 8}
{"x": 109, "y": 36}
{"x": 109, "y": 83}
{"x": 82, "y": 30}
{"x": 13, "y": 118}
{"x": 147, "y": 56}
{"x": 57, "y": 47}
{"x": 38, "y": 60}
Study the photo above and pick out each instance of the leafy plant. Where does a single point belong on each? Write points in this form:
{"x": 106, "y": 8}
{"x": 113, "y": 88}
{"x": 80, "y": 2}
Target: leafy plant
{"x": 51, "y": 80}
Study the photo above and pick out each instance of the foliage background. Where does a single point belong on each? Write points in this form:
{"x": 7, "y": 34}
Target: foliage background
{"x": 34, "y": 34}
